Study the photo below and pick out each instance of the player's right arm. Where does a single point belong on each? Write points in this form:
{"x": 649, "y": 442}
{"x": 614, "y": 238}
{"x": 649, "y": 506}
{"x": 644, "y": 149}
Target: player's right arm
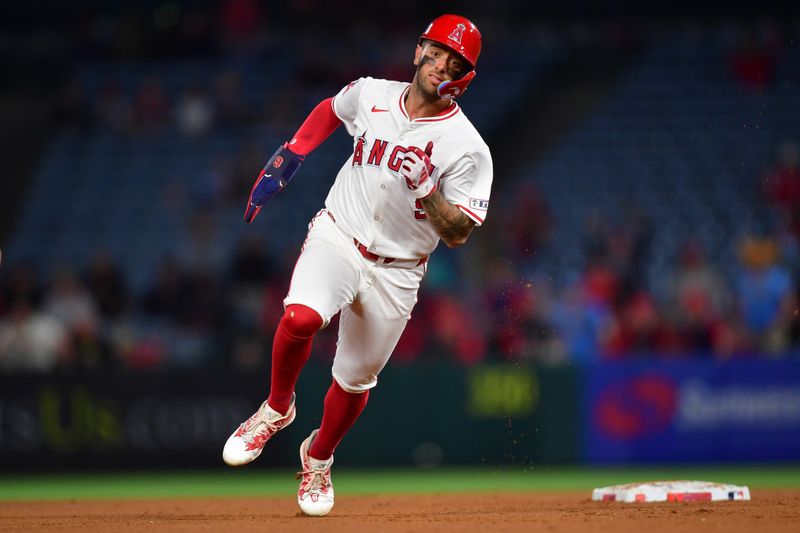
{"x": 288, "y": 158}
{"x": 346, "y": 103}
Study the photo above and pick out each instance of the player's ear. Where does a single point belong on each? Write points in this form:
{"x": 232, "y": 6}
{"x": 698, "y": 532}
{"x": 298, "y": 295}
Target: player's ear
{"x": 417, "y": 54}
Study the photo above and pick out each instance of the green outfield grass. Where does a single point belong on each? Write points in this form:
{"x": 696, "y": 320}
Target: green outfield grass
{"x": 260, "y": 482}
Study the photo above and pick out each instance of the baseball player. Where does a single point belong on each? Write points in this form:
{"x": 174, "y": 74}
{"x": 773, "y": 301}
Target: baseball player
{"x": 419, "y": 172}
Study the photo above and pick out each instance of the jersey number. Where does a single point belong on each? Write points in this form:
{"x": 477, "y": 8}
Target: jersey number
{"x": 419, "y": 211}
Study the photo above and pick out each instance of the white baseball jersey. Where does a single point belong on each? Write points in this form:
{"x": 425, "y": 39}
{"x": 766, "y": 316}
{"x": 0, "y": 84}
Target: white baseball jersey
{"x": 369, "y": 201}
{"x": 369, "y": 198}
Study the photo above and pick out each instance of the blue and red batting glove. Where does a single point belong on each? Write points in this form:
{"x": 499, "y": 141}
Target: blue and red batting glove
{"x": 272, "y": 179}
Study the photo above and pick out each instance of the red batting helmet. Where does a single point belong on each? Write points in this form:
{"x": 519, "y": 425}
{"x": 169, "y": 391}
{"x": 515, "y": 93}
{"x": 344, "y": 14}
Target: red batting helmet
{"x": 462, "y": 36}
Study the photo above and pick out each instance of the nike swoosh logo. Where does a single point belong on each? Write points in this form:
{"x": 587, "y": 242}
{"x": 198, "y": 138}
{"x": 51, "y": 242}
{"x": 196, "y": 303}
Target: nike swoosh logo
{"x": 376, "y": 110}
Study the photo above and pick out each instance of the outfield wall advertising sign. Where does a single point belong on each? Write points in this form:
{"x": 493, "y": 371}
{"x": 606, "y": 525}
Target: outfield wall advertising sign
{"x": 687, "y": 411}
{"x": 423, "y": 414}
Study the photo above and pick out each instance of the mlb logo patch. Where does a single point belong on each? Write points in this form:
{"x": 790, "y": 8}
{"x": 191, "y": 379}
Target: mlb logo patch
{"x": 476, "y": 203}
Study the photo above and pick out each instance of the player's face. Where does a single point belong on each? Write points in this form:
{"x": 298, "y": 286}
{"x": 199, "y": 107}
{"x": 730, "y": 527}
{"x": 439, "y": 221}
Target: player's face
{"x": 436, "y": 64}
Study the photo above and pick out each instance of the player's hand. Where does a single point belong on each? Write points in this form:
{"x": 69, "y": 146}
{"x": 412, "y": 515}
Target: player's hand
{"x": 417, "y": 169}
{"x": 275, "y": 175}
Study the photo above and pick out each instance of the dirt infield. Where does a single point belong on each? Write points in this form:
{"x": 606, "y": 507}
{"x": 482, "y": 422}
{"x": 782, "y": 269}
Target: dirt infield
{"x": 770, "y": 510}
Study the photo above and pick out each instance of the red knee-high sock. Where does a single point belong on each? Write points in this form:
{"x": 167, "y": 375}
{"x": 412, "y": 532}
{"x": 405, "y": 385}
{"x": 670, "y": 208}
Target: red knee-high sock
{"x": 341, "y": 410}
{"x": 290, "y": 351}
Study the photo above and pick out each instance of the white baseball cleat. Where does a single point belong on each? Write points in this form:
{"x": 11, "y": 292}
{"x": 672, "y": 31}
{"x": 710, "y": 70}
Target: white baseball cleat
{"x": 250, "y": 437}
{"x": 315, "y": 495}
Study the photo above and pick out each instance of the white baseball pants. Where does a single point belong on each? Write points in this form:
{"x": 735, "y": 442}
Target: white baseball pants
{"x": 375, "y": 300}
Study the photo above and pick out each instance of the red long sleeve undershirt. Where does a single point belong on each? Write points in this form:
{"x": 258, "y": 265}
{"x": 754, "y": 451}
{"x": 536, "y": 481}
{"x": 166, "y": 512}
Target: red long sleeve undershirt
{"x": 318, "y": 126}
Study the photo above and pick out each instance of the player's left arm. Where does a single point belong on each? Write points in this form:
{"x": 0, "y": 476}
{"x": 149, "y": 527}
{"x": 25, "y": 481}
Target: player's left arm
{"x": 452, "y": 225}
{"x": 469, "y": 180}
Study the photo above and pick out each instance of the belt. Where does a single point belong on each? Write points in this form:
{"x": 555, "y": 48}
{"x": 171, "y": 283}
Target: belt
{"x": 375, "y": 258}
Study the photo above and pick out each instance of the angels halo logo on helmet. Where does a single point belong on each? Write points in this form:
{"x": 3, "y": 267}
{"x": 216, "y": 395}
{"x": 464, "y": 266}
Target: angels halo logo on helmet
{"x": 458, "y": 33}
{"x": 462, "y": 36}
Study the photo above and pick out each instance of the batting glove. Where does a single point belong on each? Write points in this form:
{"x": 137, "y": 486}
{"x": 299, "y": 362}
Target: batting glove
{"x": 417, "y": 169}
{"x": 272, "y": 179}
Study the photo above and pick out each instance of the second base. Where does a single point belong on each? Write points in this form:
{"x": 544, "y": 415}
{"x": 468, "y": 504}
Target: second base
{"x": 671, "y": 491}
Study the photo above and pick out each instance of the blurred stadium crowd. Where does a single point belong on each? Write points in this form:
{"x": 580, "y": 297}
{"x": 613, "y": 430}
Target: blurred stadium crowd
{"x": 129, "y": 250}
